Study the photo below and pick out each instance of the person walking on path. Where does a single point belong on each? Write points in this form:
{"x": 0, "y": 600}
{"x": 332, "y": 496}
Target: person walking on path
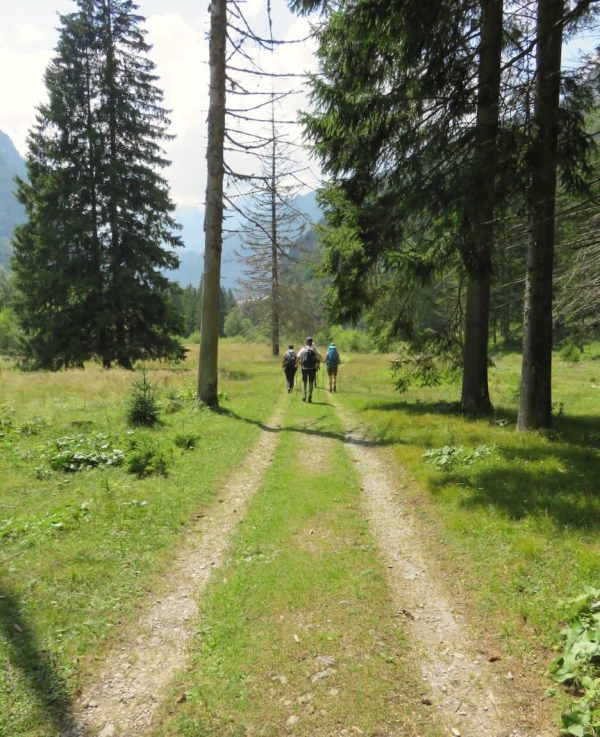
{"x": 309, "y": 360}
{"x": 290, "y": 367}
{"x": 332, "y": 361}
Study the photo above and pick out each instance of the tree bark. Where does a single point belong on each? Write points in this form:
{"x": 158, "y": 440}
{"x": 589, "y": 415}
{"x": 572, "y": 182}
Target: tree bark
{"x": 213, "y": 217}
{"x": 96, "y": 252}
{"x": 535, "y": 405}
{"x": 274, "y": 264}
{"x": 120, "y": 344}
{"x": 475, "y": 395}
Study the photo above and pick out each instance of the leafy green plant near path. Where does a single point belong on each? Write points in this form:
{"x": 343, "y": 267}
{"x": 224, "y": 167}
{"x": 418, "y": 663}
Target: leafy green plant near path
{"x": 450, "y": 457}
{"x": 579, "y": 666}
{"x": 74, "y": 452}
{"x": 571, "y": 353}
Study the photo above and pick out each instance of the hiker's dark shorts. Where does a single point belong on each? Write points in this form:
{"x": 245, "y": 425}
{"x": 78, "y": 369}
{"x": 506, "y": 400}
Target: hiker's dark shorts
{"x": 308, "y": 374}
{"x": 332, "y": 370}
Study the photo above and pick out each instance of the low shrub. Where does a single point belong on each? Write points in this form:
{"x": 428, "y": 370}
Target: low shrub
{"x": 570, "y": 353}
{"x": 148, "y": 455}
{"x": 186, "y": 440}
{"x": 143, "y": 407}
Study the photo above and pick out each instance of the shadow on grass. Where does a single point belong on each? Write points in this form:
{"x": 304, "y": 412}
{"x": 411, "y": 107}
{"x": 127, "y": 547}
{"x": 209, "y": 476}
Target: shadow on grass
{"x": 35, "y": 665}
{"x": 307, "y": 429}
{"x": 441, "y": 407}
{"x": 581, "y": 430}
{"x": 521, "y": 487}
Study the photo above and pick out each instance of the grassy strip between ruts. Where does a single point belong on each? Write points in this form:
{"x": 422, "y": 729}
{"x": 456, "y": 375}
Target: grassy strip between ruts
{"x": 514, "y": 517}
{"x": 297, "y": 632}
{"x": 80, "y": 550}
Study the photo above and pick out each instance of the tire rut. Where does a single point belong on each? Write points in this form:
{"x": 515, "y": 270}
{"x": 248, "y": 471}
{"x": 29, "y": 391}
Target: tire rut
{"x": 471, "y": 699}
{"x": 135, "y": 675}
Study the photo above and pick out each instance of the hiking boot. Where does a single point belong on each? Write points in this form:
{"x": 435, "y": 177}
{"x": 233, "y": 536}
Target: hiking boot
{"x": 334, "y": 389}
{"x": 303, "y": 398}
{"x": 310, "y": 400}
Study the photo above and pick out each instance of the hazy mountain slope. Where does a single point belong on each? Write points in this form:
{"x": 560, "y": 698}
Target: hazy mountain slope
{"x": 11, "y": 211}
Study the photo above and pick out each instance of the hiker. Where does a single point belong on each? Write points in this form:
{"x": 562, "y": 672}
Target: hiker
{"x": 290, "y": 367}
{"x": 309, "y": 360}
{"x": 332, "y": 361}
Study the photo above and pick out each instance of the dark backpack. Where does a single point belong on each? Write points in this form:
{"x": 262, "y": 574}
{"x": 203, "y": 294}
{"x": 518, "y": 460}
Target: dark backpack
{"x": 309, "y": 358}
{"x": 289, "y": 359}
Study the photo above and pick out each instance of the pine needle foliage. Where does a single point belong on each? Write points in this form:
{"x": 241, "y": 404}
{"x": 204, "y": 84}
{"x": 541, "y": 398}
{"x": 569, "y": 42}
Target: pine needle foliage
{"x": 89, "y": 261}
{"x": 143, "y": 407}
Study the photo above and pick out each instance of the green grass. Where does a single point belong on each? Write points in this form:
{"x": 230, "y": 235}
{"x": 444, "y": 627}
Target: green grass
{"x": 305, "y": 581}
{"x": 517, "y": 528}
{"x": 515, "y": 531}
{"x": 80, "y": 551}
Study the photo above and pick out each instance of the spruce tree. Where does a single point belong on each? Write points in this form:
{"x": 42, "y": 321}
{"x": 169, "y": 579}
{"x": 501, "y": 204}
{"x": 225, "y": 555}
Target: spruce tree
{"x": 88, "y": 262}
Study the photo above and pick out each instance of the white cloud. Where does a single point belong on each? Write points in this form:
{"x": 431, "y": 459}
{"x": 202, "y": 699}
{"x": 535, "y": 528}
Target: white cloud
{"x": 22, "y": 89}
{"x": 180, "y": 51}
{"x": 28, "y": 34}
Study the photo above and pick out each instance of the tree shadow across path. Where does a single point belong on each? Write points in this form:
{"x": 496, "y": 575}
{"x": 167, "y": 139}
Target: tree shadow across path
{"x": 310, "y": 429}
{"x": 35, "y": 665}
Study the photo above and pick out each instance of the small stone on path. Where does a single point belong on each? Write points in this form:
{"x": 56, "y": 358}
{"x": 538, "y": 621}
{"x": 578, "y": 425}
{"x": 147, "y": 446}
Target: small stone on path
{"x": 323, "y": 674}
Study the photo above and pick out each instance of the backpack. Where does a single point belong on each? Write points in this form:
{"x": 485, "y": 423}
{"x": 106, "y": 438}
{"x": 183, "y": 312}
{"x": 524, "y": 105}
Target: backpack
{"x": 332, "y": 358}
{"x": 289, "y": 359}
{"x": 309, "y": 358}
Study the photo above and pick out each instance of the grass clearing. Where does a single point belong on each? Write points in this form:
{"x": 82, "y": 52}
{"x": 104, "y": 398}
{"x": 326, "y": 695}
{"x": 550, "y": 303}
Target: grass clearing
{"x": 80, "y": 550}
{"x": 513, "y": 519}
{"x": 516, "y": 526}
{"x": 298, "y": 632}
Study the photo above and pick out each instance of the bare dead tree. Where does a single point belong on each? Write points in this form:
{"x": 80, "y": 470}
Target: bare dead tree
{"x": 236, "y": 136}
{"x": 213, "y": 219}
{"x": 271, "y": 232}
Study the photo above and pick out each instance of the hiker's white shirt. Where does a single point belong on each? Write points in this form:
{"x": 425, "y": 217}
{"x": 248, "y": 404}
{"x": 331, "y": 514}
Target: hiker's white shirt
{"x": 302, "y": 351}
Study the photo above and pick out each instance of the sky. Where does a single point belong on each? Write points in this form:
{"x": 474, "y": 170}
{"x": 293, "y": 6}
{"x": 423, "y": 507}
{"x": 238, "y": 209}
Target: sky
{"x": 177, "y": 31}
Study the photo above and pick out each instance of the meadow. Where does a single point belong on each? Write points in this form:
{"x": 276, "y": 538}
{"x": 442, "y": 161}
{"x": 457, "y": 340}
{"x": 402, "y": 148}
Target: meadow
{"x": 91, "y": 510}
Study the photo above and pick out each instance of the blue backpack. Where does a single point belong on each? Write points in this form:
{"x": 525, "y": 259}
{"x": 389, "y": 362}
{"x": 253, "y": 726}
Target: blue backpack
{"x": 332, "y": 359}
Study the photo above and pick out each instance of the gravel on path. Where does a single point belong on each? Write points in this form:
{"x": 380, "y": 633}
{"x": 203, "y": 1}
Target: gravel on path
{"x": 472, "y": 695}
{"x": 135, "y": 675}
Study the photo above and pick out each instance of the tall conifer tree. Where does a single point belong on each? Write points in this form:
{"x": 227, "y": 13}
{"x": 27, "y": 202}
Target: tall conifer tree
{"x": 88, "y": 262}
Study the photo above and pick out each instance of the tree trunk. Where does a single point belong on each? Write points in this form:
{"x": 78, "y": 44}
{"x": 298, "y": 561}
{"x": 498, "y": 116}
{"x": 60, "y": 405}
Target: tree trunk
{"x": 274, "y": 264}
{"x": 120, "y": 347}
{"x": 535, "y": 406}
{"x": 213, "y": 219}
{"x": 96, "y": 253}
{"x": 475, "y": 395}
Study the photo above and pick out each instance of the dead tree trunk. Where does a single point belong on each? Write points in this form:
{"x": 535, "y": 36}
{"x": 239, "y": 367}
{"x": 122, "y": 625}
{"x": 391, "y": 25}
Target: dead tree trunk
{"x": 213, "y": 216}
{"x": 274, "y": 259}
